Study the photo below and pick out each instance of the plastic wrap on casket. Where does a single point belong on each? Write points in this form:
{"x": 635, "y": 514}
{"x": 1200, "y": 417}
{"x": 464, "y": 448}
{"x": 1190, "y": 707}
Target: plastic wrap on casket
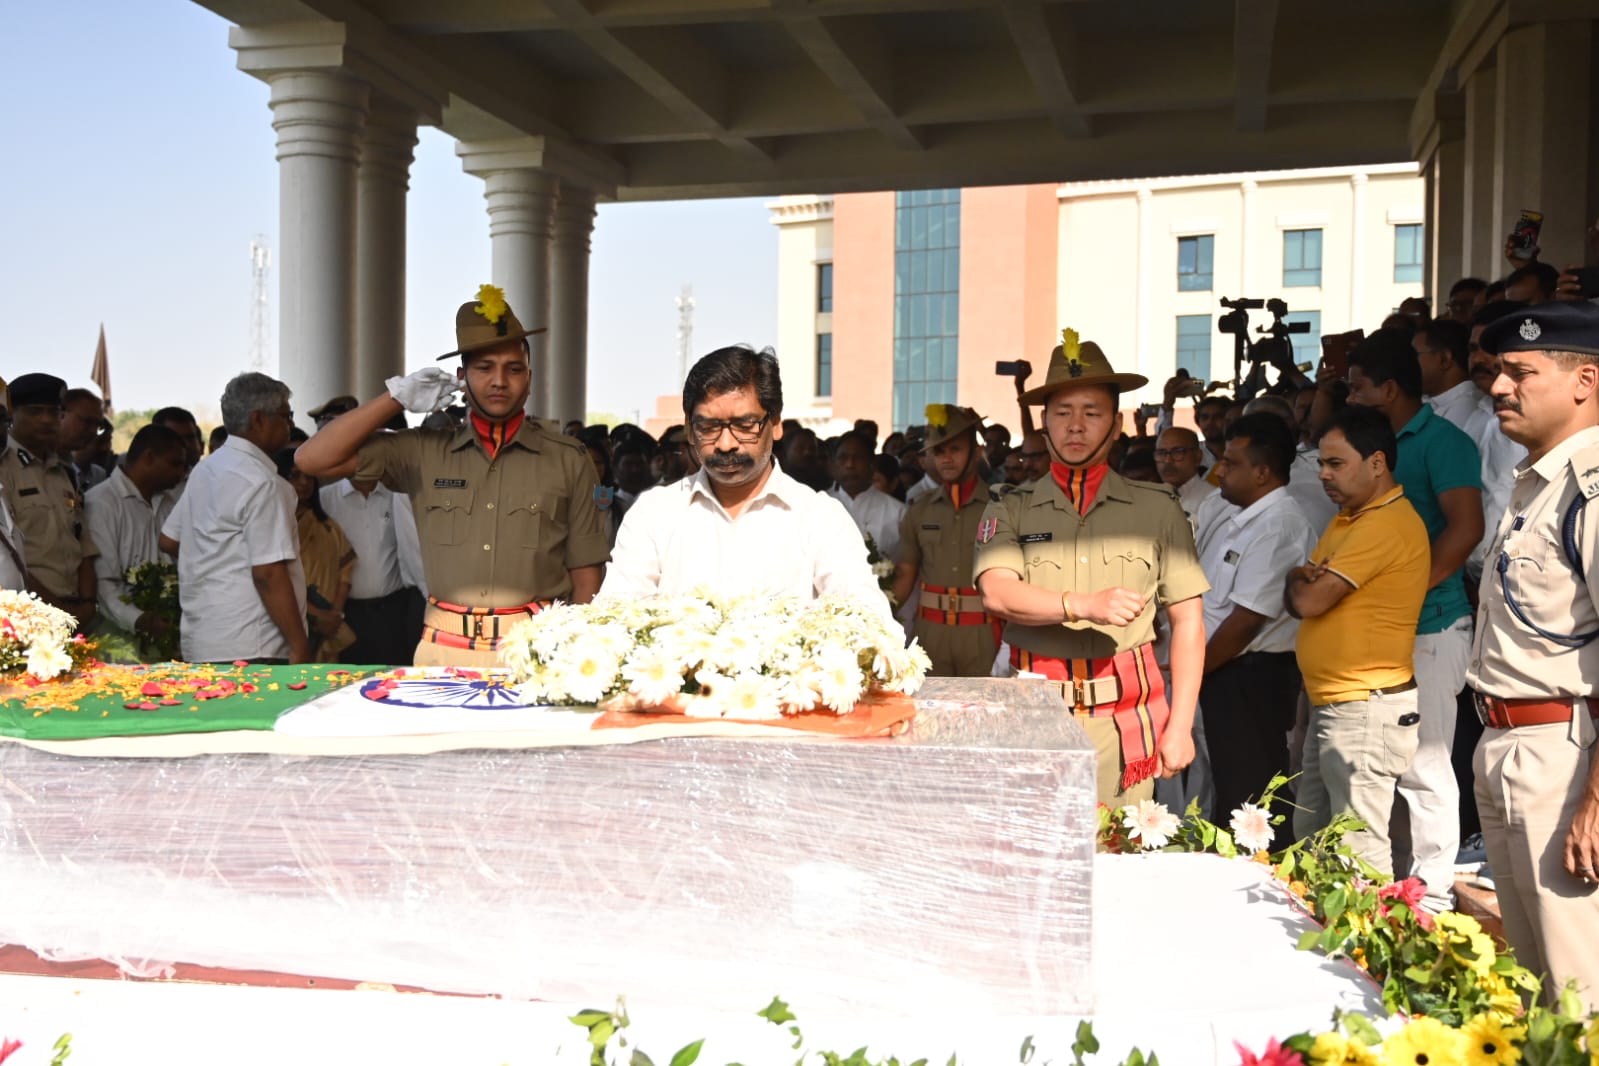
{"x": 945, "y": 869}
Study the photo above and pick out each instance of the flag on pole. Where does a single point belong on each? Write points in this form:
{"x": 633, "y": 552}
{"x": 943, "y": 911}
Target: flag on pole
{"x": 100, "y": 372}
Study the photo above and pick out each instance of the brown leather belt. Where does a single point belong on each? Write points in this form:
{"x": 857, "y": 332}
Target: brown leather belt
{"x": 1496, "y": 713}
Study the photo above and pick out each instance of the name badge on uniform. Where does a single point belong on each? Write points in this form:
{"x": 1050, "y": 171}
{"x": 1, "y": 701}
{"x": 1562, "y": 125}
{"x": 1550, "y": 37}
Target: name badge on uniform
{"x": 1230, "y": 557}
{"x": 603, "y": 497}
{"x": 986, "y": 530}
{"x": 449, "y": 482}
{"x": 1035, "y": 538}
{"x": 931, "y": 525}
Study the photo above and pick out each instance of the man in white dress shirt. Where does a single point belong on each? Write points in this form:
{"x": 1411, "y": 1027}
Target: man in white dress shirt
{"x": 125, "y": 514}
{"x": 1251, "y": 685}
{"x": 1179, "y": 458}
{"x": 240, "y": 581}
{"x": 384, "y": 609}
{"x": 740, "y": 525}
{"x": 876, "y": 513}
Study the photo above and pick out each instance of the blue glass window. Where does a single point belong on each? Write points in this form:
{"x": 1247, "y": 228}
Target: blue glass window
{"x": 926, "y": 301}
{"x": 1301, "y": 258}
{"x": 1195, "y": 263}
{"x": 1407, "y": 253}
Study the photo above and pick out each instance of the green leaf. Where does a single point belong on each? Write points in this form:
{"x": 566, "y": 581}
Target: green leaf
{"x": 588, "y": 1019}
{"x": 686, "y": 1055}
{"x": 776, "y": 1012}
{"x": 1027, "y": 1048}
{"x": 640, "y": 1059}
{"x": 602, "y": 1032}
{"x": 1359, "y": 1027}
{"x": 1307, "y": 940}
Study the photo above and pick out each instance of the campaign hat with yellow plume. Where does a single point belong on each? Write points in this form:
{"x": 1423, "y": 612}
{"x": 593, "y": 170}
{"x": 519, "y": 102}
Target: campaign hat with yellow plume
{"x": 1078, "y": 362}
{"x": 946, "y": 421}
{"x": 486, "y": 322}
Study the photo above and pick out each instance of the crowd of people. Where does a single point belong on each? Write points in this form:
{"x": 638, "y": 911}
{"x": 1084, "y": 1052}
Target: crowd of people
{"x": 1373, "y": 578}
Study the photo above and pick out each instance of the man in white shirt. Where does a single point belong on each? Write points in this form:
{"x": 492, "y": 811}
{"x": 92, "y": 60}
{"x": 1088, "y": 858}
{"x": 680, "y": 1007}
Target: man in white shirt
{"x": 125, "y": 514}
{"x": 1179, "y": 459}
{"x": 740, "y": 525}
{"x": 238, "y": 546}
{"x": 877, "y": 514}
{"x": 1251, "y": 684}
{"x": 383, "y": 605}
{"x": 1442, "y": 349}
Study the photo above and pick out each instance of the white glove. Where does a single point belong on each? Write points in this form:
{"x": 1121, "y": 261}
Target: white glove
{"x": 429, "y": 389}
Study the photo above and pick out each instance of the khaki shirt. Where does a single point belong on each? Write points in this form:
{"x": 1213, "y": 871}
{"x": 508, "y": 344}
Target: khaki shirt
{"x": 940, "y": 541}
{"x": 1134, "y": 535}
{"x": 494, "y": 533}
{"x": 1509, "y": 659}
{"x": 48, "y": 511}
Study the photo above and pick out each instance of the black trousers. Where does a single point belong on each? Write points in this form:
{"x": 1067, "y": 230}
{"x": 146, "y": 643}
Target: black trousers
{"x": 386, "y": 628}
{"x": 1248, "y": 705}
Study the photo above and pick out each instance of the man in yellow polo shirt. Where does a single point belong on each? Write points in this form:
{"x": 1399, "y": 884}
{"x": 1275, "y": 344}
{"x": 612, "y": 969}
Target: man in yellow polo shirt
{"x": 1359, "y": 597}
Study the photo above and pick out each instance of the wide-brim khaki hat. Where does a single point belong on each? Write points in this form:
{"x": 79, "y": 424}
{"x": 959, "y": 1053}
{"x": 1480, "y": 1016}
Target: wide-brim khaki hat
{"x": 1079, "y": 363}
{"x": 486, "y": 322}
{"x": 946, "y": 421}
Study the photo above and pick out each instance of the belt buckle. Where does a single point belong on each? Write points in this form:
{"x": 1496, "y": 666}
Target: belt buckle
{"x": 477, "y": 627}
{"x": 1480, "y": 704}
{"x": 1079, "y": 695}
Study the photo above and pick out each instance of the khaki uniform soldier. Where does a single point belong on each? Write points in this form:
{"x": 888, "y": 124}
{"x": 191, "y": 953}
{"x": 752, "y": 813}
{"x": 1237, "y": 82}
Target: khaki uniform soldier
{"x": 938, "y": 538}
{"x": 1535, "y": 661}
{"x": 506, "y": 511}
{"x": 44, "y": 499}
{"x": 1076, "y": 563}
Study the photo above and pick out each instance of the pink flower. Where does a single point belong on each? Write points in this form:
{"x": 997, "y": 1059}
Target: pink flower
{"x": 1274, "y": 1055}
{"x": 1411, "y": 891}
{"x": 8, "y": 1048}
{"x": 1251, "y": 826}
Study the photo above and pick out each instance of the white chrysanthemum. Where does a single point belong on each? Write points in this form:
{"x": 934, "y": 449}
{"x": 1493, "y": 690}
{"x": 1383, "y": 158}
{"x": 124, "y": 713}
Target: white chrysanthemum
{"x": 46, "y": 661}
{"x": 749, "y": 696}
{"x": 835, "y": 676}
{"x": 585, "y": 673}
{"x": 691, "y": 645}
{"x": 1251, "y": 826}
{"x": 653, "y": 674}
{"x": 1149, "y": 823}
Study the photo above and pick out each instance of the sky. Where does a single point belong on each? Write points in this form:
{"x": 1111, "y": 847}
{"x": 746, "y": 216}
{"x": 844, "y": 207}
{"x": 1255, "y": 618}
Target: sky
{"x": 140, "y": 165}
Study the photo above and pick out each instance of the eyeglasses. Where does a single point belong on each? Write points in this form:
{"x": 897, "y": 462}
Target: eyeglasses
{"x": 1173, "y": 453}
{"x": 746, "y": 430}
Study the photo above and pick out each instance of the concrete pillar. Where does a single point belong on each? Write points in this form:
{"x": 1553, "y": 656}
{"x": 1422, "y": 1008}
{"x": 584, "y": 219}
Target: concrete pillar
{"x": 569, "y": 304}
{"x": 1357, "y": 250}
{"x": 319, "y": 118}
{"x": 384, "y": 178}
{"x": 521, "y": 206}
{"x": 1480, "y": 242}
{"x": 1543, "y": 131}
{"x": 1445, "y": 261}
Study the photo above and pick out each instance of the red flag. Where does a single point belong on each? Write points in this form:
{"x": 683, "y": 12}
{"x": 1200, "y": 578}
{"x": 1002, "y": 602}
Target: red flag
{"x": 100, "y": 372}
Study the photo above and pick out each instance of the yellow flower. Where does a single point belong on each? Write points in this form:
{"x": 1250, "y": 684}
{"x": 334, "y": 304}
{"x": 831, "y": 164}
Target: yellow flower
{"x": 1336, "y": 1049}
{"x": 1071, "y": 346}
{"x": 1593, "y": 1042}
{"x": 1455, "y": 922}
{"x": 938, "y": 415}
{"x": 1467, "y": 944}
{"x": 1503, "y": 1001}
{"x": 1425, "y": 1042}
{"x": 1489, "y": 1042}
{"x": 491, "y": 303}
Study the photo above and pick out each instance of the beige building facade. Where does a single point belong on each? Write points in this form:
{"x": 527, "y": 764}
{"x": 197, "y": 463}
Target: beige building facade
{"x": 890, "y": 301}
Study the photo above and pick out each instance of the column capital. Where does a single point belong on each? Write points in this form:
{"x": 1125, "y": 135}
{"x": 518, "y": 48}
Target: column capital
{"x": 318, "y": 113}
{"x": 334, "y": 47}
{"x": 574, "y": 217}
{"x": 554, "y": 156}
{"x": 521, "y": 202}
{"x": 390, "y": 143}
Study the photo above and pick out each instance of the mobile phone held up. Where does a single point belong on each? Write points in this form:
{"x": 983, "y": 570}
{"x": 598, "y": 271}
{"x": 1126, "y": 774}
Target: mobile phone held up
{"x": 1588, "y": 282}
{"x": 1008, "y": 368}
{"x": 1524, "y": 235}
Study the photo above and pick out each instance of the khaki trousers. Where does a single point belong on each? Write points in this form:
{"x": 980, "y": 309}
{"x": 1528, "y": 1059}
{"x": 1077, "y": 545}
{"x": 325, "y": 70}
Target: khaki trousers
{"x": 1529, "y": 783}
{"x": 1355, "y": 753}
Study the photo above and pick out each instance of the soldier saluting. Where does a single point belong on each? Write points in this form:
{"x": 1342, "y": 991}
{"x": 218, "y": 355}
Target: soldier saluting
{"x": 506, "y": 512}
{"x": 1074, "y": 563}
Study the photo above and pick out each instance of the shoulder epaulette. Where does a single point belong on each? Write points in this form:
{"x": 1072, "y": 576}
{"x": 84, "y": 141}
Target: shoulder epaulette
{"x": 1161, "y": 489}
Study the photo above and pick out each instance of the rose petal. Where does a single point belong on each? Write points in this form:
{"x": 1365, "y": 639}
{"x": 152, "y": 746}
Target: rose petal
{"x": 297, "y": 685}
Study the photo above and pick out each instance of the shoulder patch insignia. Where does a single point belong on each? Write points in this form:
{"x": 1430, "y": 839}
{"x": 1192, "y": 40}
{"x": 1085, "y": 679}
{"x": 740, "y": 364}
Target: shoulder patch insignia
{"x": 604, "y": 497}
{"x": 986, "y": 529}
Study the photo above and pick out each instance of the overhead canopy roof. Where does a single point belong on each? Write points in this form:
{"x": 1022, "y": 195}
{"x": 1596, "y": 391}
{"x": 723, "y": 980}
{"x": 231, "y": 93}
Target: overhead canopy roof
{"x": 684, "y": 98}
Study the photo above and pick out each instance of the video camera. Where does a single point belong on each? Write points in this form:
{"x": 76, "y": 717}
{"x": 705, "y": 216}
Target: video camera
{"x": 1271, "y": 343}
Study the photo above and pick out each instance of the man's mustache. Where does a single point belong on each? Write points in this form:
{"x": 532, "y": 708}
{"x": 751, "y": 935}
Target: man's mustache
{"x": 1507, "y": 405}
{"x": 730, "y": 460}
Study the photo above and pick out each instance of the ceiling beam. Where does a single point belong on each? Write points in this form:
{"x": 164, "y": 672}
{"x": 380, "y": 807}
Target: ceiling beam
{"x": 1047, "y": 51}
{"x": 669, "y": 64}
{"x": 852, "y": 56}
{"x": 1254, "y": 31}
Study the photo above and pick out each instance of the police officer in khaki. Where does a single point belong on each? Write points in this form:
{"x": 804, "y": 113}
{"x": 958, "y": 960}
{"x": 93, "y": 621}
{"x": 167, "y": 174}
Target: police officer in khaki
{"x": 938, "y": 536}
{"x": 505, "y": 510}
{"x": 44, "y": 500}
{"x": 1535, "y": 663}
{"x": 1076, "y": 563}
